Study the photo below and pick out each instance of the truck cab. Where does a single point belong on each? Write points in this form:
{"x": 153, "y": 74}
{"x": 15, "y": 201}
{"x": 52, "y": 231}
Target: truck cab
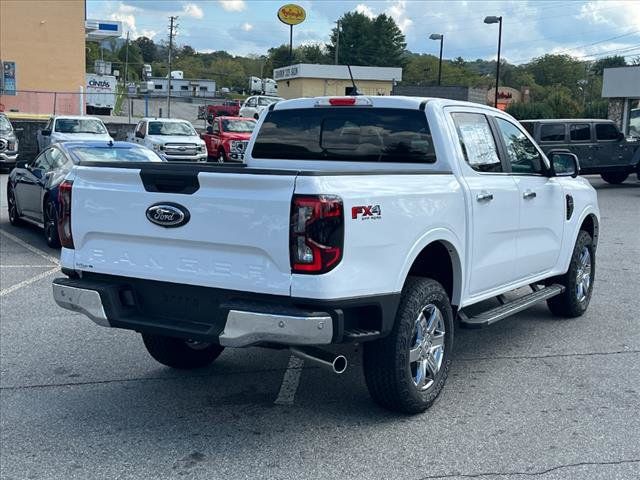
{"x": 227, "y": 138}
{"x": 172, "y": 139}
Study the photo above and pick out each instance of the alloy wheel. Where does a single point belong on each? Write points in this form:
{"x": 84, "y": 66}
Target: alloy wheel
{"x": 427, "y": 351}
{"x": 583, "y": 275}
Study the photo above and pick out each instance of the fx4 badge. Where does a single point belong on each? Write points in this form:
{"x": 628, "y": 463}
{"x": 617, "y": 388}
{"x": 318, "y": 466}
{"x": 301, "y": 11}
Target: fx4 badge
{"x": 366, "y": 212}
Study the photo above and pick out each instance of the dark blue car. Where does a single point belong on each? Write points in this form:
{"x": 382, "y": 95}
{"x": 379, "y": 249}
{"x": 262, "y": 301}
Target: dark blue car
{"x": 32, "y": 188}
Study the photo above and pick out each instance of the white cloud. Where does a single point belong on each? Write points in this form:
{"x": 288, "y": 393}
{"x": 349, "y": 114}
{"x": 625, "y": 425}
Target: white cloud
{"x": 193, "y": 10}
{"x": 233, "y": 5}
{"x": 365, "y": 10}
{"x": 247, "y": 27}
{"x": 398, "y": 11}
{"x": 615, "y": 13}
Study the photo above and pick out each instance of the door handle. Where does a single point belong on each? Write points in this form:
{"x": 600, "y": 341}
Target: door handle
{"x": 484, "y": 197}
{"x": 529, "y": 194}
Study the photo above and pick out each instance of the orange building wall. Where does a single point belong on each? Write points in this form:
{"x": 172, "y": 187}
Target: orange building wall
{"x": 46, "y": 39}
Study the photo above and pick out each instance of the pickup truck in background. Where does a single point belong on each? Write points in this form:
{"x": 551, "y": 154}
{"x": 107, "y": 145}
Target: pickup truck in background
{"x": 253, "y": 106}
{"x": 172, "y": 139}
{"x": 227, "y": 138}
{"x": 75, "y": 128}
{"x": 227, "y": 108}
{"x": 375, "y": 220}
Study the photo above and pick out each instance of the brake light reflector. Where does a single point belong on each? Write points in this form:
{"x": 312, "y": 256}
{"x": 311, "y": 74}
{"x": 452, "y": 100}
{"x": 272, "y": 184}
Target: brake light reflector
{"x": 64, "y": 217}
{"x": 316, "y": 233}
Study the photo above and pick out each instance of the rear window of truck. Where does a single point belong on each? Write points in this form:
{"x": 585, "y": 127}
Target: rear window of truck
{"x": 356, "y": 134}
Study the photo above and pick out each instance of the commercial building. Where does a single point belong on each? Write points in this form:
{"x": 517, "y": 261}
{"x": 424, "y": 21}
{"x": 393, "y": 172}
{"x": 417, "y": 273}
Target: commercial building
{"x": 182, "y": 87}
{"x": 310, "y": 80}
{"x": 42, "y": 53}
{"x": 621, "y": 86}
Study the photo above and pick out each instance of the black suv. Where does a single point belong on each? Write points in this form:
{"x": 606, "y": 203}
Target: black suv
{"x": 599, "y": 145}
{"x": 8, "y": 144}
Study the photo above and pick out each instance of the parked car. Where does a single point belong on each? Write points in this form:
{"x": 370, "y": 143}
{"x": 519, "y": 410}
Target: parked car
{"x": 8, "y": 144}
{"x": 64, "y": 128}
{"x": 171, "y": 138}
{"x": 227, "y": 138}
{"x": 33, "y": 188}
{"x": 599, "y": 145}
{"x": 227, "y": 108}
{"x": 252, "y": 106}
{"x": 376, "y": 220}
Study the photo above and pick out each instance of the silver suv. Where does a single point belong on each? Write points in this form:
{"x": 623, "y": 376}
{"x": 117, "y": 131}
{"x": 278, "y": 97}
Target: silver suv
{"x": 8, "y": 144}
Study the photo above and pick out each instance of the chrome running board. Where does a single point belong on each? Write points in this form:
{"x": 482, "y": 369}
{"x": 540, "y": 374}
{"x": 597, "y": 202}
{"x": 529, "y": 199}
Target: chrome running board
{"x": 510, "y": 308}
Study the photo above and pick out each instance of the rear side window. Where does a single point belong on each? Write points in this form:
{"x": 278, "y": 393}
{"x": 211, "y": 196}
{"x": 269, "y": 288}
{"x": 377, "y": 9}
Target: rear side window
{"x": 606, "y": 131}
{"x": 346, "y": 134}
{"x": 552, "y": 132}
{"x": 580, "y": 132}
{"x": 477, "y": 142}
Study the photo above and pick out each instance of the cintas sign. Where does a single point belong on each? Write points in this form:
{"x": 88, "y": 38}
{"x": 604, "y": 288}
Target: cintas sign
{"x": 291, "y": 14}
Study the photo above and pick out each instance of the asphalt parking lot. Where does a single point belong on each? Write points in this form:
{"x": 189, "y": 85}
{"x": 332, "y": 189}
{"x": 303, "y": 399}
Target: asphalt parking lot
{"x": 532, "y": 396}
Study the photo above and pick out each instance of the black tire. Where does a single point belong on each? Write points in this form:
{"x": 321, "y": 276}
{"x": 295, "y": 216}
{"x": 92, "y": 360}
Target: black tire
{"x": 389, "y": 373}
{"x": 180, "y": 353}
{"x": 571, "y": 303}
{"x": 222, "y": 156}
{"x": 12, "y": 207}
{"x": 50, "y": 222}
{"x": 614, "y": 178}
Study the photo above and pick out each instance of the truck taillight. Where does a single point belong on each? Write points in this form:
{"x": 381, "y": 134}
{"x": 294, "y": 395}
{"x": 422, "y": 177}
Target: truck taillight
{"x": 316, "y": 233}
{"x": 64, "y": 218}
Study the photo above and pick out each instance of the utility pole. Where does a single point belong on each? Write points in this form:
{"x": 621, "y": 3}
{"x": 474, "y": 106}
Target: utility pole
{"x": 337, "y": 42}
{"x": 126, "y": 60}
{"x": 172, "y": 31}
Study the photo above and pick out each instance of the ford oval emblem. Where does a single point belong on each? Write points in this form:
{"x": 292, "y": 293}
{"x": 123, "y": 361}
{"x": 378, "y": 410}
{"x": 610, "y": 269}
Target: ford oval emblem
{"x": 168, "y": 215}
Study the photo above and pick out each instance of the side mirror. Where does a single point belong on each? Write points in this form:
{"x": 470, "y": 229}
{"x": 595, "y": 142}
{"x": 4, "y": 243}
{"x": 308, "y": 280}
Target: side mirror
{"x": 564, "y": 163}
{"x": 210, "y": 130}
{"x": 139, "y": 134}
{"x": 45, "y": 133}
{"x": 621, "y": 136}
{"x": 210, "y": 118}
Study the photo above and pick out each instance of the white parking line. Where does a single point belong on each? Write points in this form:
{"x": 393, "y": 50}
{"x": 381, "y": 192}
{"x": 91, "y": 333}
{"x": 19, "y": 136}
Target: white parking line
{"x": 25, "y": 266}
{"x": 31, "y": 248}
{"x": 290, "y": 381}
{"x": 28, "y": 281}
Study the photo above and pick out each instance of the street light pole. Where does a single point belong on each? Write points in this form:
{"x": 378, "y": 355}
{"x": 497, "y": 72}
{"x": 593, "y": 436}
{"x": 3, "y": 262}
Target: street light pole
{"x": 497, "y": 20}
{"x": 438, "y": 36}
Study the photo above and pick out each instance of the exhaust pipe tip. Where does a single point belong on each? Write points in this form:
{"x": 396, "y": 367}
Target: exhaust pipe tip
{"x": 340, "y": 364}
{"x": 331, "y": 361}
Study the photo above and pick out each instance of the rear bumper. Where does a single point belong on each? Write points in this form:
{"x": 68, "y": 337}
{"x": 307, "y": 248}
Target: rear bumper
{"x": 230, "y": 318}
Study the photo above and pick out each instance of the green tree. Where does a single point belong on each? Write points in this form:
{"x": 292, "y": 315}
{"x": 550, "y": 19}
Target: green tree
{"x": 562, "y": 70}
{"x": 133, "y": 61}
{"x": 388, "y": 42}
{"x": 608, "y": 62}
{"x": 563, "y": 105}
{"x": 148, "y": 49}
{"x": 365, "y": 41}
{"x": 312, "y": 53}
{"x": 530, "y": 111}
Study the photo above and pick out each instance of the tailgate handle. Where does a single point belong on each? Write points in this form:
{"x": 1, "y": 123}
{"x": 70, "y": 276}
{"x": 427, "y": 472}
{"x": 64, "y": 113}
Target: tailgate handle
{"x": 170, "y": 182}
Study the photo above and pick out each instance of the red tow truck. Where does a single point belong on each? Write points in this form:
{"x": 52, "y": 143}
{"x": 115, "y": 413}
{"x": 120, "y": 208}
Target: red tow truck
{"x": 227, "y": 138}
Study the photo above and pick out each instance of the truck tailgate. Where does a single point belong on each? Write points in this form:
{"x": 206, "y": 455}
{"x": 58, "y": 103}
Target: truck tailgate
{"x": 237, "y": 236}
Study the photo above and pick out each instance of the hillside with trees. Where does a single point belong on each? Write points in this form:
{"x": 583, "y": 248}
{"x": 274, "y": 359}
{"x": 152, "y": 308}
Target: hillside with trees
{"x": 559, "y": 85}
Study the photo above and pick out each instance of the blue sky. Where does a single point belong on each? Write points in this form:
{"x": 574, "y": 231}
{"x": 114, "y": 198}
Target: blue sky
{"x": 587, "y": 29}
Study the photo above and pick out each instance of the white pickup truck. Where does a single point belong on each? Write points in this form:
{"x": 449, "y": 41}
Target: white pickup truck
{"x": 171, "y": 138}
{"x": 375, "y": 220}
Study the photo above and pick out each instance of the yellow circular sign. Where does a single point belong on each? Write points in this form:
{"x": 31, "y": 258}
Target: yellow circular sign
{"x": 291, "y": 14}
